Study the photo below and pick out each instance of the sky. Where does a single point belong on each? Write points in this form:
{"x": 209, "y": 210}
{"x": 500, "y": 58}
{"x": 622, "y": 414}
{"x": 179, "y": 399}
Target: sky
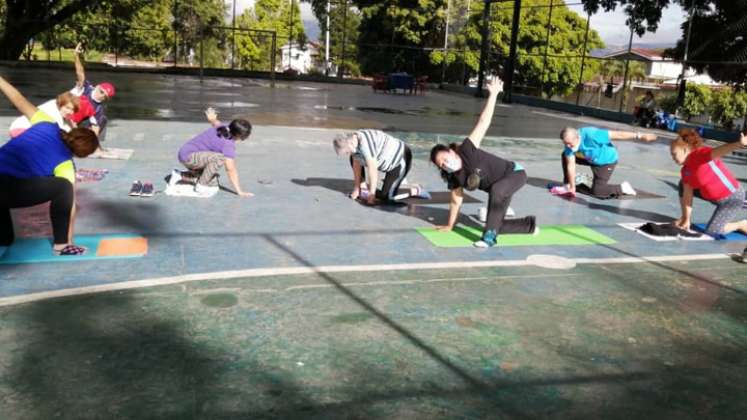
{"x": 612, "y": 29}
{"x": 610, "y": 25}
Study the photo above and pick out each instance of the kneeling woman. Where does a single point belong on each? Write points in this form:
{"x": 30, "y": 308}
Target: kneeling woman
{"x": 704, "y": 174}
{"x": 37, "y": 167}
{"x": 208, "y": 152}
{"x": 466, "y": 166}
{"x": 375, "y": 151}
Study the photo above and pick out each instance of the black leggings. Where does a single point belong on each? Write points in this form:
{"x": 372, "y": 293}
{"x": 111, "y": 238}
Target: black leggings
{"x": 393, "y": 178}
{"x": 600, "y": 186}
{"x": 17, "y": 193}
{"x": 499, "y": 197}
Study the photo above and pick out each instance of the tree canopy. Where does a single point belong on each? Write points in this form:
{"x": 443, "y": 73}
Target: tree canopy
{"x": 719, "y": 34}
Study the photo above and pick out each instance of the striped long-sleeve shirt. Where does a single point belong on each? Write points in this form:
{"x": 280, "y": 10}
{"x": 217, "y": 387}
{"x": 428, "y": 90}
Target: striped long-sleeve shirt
{"x": 387, "y": 151}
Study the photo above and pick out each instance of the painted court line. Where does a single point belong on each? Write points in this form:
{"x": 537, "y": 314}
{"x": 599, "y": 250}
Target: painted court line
{"x": 285, "y": 271}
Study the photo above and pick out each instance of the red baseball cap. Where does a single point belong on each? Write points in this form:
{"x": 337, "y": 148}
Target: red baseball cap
{"x": 108, "y": 88}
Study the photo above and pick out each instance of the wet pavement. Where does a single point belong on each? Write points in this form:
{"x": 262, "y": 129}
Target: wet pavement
{"x": 297, "y": 104}
{"x": 219, "y": 326}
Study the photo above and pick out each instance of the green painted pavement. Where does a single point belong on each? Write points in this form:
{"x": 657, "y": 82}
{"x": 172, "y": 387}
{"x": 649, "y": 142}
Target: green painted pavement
{"x": 463, "y": 236}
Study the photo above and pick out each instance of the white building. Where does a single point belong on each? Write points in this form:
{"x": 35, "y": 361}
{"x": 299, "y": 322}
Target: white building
{"x": 301, "y": 60}
{"x": 659, "y": 68}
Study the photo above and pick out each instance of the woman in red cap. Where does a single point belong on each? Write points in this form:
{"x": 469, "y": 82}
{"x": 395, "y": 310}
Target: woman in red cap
{"x": 91, "y": 113}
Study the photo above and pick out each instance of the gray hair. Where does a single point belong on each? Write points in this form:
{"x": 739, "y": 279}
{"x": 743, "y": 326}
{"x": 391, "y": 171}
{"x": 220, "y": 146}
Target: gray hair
{"x": 343, "y": 142}
{"x": 566, "y": 131}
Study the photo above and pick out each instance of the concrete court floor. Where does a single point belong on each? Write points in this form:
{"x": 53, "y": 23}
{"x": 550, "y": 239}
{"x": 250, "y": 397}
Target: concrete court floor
{"x": 608, "y": 338}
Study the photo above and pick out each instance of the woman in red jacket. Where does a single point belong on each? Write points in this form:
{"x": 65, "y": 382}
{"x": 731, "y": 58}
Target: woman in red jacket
{"x": 704, "y": 172}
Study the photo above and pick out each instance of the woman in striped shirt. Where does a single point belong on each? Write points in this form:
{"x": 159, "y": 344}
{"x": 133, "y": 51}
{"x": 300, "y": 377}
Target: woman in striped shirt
{"x": 704, "y": 172}
{"x": 375, "y": 151}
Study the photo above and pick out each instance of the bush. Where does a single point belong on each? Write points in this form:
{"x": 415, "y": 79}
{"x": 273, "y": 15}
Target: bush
{"x": 726, "y": 106}
{"x": 668, "y": 103}
{"x": 697, "y": 100}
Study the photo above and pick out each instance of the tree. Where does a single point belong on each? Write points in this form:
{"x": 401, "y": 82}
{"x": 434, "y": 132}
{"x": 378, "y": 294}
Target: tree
{"x": 718, "y": 35}
{"x": 726, "y": 106}
{"x": 697, "y": 101}
{"x": 197, "y": 21}
{"x": 397, "y": 35}
{"x": 139, "y": 28}
{"x": 558, "y": 75}
{"x": 343, "y": 39}
{"x": 25, "y": 19}
{"x": 643, "y": 15}
{"x": 255, "y": 51}
{"x": 344, "y": 29}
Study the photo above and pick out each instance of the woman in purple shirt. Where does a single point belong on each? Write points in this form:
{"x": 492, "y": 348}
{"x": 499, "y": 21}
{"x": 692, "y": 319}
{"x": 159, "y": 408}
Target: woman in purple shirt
{"x": 208, "y": 152}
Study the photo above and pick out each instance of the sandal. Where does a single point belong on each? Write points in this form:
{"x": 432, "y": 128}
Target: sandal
{"x": 71, "y": 250}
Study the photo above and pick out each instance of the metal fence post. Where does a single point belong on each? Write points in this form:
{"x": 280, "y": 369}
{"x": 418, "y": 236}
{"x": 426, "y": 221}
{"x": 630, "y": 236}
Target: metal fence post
{"x": 272, "y": 59}
{"x": 341, "y": 67}
{"x": 202, "y": 52}
{"x": 176, "y": 35}
{"x": 583, "y": 60}
{"x": 625, "y": 77}
{"x": 484, "y": 46}
{"x": 509, "y": 83}
{"x": 547, "y": 48}
{"x": 116, "y": 45}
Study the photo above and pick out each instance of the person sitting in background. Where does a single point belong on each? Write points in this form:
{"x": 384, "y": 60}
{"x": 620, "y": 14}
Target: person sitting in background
{"x": 645, "y": 112}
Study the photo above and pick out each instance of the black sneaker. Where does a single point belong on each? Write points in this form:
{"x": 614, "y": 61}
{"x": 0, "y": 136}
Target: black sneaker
{"x": 147, "y": 190}
{"x": 136, "y": 189}
{"x": 744, "y": 256}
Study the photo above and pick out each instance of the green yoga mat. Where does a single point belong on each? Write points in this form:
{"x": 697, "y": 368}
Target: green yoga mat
{"x": 549, "y": 235}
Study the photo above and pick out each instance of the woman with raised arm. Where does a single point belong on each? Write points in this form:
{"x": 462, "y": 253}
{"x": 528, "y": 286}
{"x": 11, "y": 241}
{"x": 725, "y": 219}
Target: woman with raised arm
{"x": 465, "y": 165}
{"x": 704, "y": 172}
{"x": 37, "y": 167}
{"x": 208, "y": 152}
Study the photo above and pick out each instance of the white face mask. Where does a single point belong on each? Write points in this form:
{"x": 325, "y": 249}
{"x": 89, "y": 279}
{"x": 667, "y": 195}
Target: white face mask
{"x": 577, "y": 146}
{"x": 452, "y": 164}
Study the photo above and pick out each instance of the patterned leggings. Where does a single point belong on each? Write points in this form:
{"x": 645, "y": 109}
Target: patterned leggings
{"x": 726, "y": 212}
{"x": 204, "y": 166}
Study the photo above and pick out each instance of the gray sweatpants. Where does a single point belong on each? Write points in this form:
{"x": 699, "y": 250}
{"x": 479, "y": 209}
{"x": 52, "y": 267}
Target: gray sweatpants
{"x": 206, "y": 165}
{"x": 726, "y": 212}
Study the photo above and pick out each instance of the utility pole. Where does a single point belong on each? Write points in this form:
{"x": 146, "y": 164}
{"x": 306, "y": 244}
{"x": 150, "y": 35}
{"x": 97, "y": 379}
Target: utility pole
{"x": 326, "y": 43}
{"x": 290, "y": 34}
{"x": 233, "y": 43}
{"x": 341, "y": 68}
{"x": 683, "y": 83}
{"x": 446, "y": 43}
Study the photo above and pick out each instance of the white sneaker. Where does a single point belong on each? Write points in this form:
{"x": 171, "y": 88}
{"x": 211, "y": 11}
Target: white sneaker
{"x": 206, "y": 190}
{"x": 627, "y": 189}
{"x": 481, "y": 244}
{"x": 536, "y": 231}
{"x": 510, "y": 212}
{"x": 176, "y": 176}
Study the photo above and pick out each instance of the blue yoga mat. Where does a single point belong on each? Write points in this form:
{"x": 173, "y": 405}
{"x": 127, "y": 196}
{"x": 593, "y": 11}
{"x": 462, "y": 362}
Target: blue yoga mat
{"x": 37, "y": 250}
{"x": 734, "y": 236}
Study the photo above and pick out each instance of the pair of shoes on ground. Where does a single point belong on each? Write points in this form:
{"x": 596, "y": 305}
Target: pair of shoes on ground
{"x": 490, "y": 237}
{"x": 142, "y": 189}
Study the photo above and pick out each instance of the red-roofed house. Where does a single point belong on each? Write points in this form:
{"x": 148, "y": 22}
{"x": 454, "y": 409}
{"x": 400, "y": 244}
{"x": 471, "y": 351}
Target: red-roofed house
{"x": 657, "y": 67}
